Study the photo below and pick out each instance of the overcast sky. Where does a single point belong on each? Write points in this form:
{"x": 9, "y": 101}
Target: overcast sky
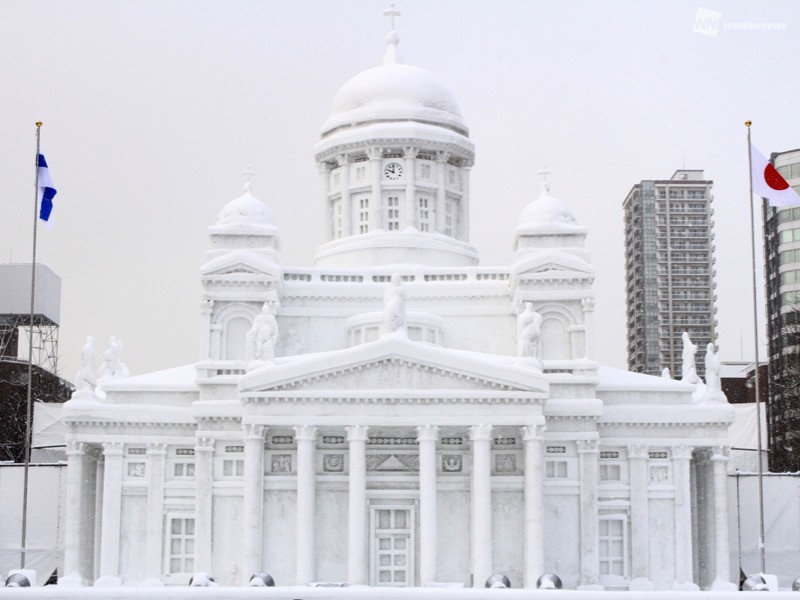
{"x": 152, "y": 109}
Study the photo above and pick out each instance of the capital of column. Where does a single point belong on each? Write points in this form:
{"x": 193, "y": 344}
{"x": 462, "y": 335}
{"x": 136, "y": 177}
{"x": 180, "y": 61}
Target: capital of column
{"x": 585, "y": 446}
{"x": 206, "y": 307}
{"x": 637, "y": 452}
{"x": 254, "y": 430}
{"x": 204, "y": 444}
{"x": 75, "y": 447}
{"x": 533, "y": 433}
{"x": 427, "y": 433}
{"x": 588, "y": 304}
{"x": 480, "y": 433}
{"x": 375, "y": 153}
{"x": 113, "y": 448}
{"x": 156, "y": 448}
{"x": 442, "y": 156}
{"x": 324, "y": 167}
{"x": 682, "y": 452}
{"x": 410, "y": 152}
{"x": 718, "y": 454}
{"x": 357, "y": 433}
{"x": 305, "y": 433}
{"x": 343, "y": 159}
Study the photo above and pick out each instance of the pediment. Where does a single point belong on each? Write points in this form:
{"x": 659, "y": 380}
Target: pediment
{"x": 237, "y": 263}
{"x": 392, "y": 364}
{"x": 552, "y": 262}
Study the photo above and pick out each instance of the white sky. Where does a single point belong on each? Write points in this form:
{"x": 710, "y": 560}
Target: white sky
{"x": 153, "y": 108}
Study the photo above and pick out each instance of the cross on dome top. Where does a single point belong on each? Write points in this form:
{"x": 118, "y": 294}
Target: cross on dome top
{"x": 392, "y": 57}
{"x": 249, "y": 173}
{"x": 545, "y": 173}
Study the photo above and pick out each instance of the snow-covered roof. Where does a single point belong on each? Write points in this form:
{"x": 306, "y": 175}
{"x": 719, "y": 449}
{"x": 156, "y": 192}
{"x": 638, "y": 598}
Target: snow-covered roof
{"x": 548, "y": 211}
{"x": 246, "y": 211}
{"x": 394, "y": 91}
{"x": 611, "y": 379}
{"x": 178, "y": 379}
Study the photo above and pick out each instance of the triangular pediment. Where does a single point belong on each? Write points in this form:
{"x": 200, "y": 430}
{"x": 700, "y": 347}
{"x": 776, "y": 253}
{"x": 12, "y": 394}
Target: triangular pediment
{"x": 236, "y": 263}
{"x": 393, "y": 363}
{"x": 552, "y": 262}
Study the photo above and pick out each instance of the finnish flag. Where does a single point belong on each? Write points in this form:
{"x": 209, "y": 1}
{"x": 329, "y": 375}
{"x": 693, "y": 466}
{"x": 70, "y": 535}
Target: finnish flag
{"x": 47, "y": 190}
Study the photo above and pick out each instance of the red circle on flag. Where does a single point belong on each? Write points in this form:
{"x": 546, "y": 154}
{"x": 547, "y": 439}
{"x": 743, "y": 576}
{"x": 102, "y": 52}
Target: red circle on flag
{"x": 774, "y": 179}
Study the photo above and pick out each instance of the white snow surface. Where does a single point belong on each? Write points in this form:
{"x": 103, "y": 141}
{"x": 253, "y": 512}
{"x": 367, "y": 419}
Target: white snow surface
{"x": 547, "y": 210}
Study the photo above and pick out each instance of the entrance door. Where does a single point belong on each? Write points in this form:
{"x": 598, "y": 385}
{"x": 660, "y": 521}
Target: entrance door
{"x": 392, "y": 542}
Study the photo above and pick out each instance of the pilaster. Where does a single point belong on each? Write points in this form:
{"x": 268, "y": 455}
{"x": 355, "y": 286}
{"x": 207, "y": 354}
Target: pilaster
{"x": 253, "y": 501}
{"x": 156, "y": 470}
{"x": 441, "y": 188}
{"x": 204, "y": 490}
{"x": 376, "y": 199}
{"x": 75, "y": 536}
{"x": 588, "y": 454}
{"x": 407, "y": 214}
{"x": 347, "y": 204}
{"x": 533, "y": 504}
{"x": 112, "y": 507}
{"x": 681, "y": 469}
{"x": 719, "y": 462}
{"x": 357, "y": 505}
{"x": 306, "y": 437}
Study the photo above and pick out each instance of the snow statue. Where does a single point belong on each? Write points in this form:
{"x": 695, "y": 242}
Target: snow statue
{"x": 113, "y": 367}
{"x": 262, "y": 337}
{"x": 394, "y": 306}
{"x": 665, "y": 373}
{"x": 202, "y": 580}
{"x": 86, "y": 379}
{"x": 261, "y": 580}
{"x": 688, "y": 368}
{"x": 713, "y": 381}
{"x": 529, "y": 330}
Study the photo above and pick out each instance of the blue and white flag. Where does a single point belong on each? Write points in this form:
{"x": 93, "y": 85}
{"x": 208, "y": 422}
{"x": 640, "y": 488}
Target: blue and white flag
{"x": 47, "y": 190}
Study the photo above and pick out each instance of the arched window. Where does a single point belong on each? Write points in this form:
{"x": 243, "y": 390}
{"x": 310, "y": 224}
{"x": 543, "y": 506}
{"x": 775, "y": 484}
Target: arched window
{"x": 555, "y": 342}
{"x": 235, "y": 333}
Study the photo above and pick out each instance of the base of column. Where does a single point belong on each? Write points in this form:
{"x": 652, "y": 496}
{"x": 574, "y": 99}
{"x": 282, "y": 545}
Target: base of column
{"x": 641, "y": 584}
{"x": 74, "y": 579}
{"x": 152, "y": 582}
{"x": 687, "y": 586}
{"x": 721, "y": 585}
{"x": 108, "y": 581}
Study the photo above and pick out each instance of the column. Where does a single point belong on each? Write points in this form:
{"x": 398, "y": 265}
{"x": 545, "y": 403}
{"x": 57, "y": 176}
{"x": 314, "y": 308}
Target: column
{"x": 640, "y": 520}
{"x": 357, "y": 505}
{"x": 462, "y": 231}
{"x": 409, "y": 204}
{"x": 203, "y": 504}
{"x": 253, "y": 501}
{"x": 74, "y": 537}
{"x": 206, "y": 308}
{"x": 481, "y": 436}
{"x": 441, "y": 189}
{"x": 722, "y": 566}
{"x": 533, "y": 504}
{"x": 156, "y": 470}
{"x": 112, "y": 517}
{"x": 681, "y": 473}
{"x": 306, "y": 437}
{"x": 590, "y": 553}
{"x": 376, "y": 199}
{"x": 427, "y": 435}
{"x": 90, "y": 553}
{"x": 324, "y": 169}
{"x": 344, "y": 187}
{"x": 588, "y": 326}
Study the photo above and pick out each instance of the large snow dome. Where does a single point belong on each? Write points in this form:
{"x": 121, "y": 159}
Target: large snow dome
{"x": 394, "y": 92}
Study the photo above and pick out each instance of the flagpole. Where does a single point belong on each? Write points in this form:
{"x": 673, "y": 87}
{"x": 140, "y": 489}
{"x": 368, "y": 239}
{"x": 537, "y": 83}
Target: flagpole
{"x": 761, "y": 547}
{"x": 23, "y": 549}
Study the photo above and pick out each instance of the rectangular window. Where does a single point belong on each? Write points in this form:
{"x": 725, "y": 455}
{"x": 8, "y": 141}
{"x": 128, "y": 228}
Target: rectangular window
{"x": 180, "y": 557}
{"x": 556, "y": 469}
{"x": 392, "y": 546}
{"x": 363, "y": 216}
{"x": 392, "y": 212}
{"x": 183, "y": 469}
{"x": 232, "y": 468}
{"x": 613, "y": 547}
{"x": 610, "y": 472}
{"x": 424, "y": 214}
{"x": 425, "y": 171}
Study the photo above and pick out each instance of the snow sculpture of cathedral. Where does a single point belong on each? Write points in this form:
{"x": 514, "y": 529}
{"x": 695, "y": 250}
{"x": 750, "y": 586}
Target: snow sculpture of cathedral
{"x": 397, "y": 414}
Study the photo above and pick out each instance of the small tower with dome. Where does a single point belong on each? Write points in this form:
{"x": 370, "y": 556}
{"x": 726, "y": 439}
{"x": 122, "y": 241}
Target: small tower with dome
{"x": 240, "y": 275}
{"x": 552, "y": 270}
{"x": 394, "y": 160}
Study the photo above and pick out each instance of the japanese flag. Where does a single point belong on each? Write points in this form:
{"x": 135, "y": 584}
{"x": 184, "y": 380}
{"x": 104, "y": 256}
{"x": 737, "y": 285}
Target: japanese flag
{"x": 769, "y": 184}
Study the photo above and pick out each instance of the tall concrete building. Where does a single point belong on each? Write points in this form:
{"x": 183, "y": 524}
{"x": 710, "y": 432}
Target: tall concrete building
{"x": 669, "y": 270}
{"x": 782, "y": 272}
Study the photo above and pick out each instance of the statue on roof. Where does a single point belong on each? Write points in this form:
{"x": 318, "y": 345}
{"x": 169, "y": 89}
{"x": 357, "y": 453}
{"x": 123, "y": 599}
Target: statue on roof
{"x": 262, "y": 337}
{"x": 529, "y": 330}
{"x": 688, "y": 366}
{"x": 713, "y": 380}
{"x": 86, "y": 378}
{"x": 113, "y": 367}
{"x": 394, "y": 306}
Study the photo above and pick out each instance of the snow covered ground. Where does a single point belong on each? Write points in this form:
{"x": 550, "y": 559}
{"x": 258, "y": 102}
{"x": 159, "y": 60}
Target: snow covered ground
{"x": 356, "y": 593}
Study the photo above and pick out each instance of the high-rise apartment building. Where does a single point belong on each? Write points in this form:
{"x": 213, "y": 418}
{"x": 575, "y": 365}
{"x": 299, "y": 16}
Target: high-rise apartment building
{"x": 669, "y": 270}
{"x": 782, "y": 273}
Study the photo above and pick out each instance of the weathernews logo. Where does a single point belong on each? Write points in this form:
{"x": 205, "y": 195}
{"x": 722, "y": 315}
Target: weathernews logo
{"x": 709, "y": 22}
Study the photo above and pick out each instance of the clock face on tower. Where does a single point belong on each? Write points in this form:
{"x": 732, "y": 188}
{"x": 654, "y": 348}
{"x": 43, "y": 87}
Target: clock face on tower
{"x": 393, "y": 171}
